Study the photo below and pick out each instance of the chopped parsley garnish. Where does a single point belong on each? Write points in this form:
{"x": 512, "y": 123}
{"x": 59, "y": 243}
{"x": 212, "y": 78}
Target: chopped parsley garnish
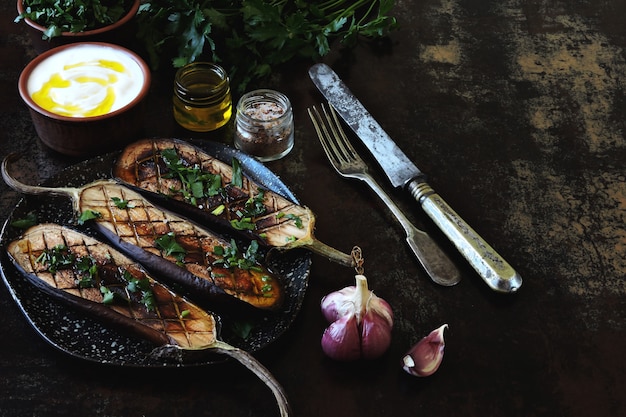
{"x": 121, "y": 204}
{"x": 196, "y": 183}
{"x": 87, "y": 272}
{"x": 108, "y": 296}
{"x": 142, "y": 285}
{"x": 241, "y": 328}
{"x": 218, "y": 210}
{"x": 297, "y": 220}
{"x": 58, "y": 257}
{"x": 88, "y": 215}
{"x": 267, "y": 286}
{"x": 133, "y": 285}
{"x": 244, "y": 223}
{"x": 25, "y": 222}
{"x": 170, "y": 247}
{"x": 237, "y": 179}
{"x": 232, "y": 258}
{"x": 254, "y": 205}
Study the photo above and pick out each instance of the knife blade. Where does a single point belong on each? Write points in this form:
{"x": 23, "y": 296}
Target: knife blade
{"x": 403, "y": 173}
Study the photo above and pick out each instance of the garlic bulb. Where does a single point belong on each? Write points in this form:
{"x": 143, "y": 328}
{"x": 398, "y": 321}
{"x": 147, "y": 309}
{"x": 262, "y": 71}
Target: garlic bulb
{"x": 424, "y": 358}
{"x": 361, "y": 323}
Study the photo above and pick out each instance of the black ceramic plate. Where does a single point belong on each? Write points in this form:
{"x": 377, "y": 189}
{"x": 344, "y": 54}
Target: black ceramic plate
{"x": 84, "y": 337}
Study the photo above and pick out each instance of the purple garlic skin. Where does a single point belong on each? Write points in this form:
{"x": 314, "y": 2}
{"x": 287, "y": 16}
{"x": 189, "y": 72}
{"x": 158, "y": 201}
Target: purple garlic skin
{"x": 424, "y": 358}
{"x": 340, "y": 340}
{"x": 361, "y": 323}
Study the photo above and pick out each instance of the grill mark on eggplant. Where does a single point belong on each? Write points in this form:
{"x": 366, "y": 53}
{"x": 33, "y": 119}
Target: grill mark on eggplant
{"x": 175, "y": 332}
{"x": 141, "y": 166}
{"x": 134, "y": 230}
{"x": 164, "y": 325}
{"x": 141, "y": 223}
{"x": 149, "y": 174}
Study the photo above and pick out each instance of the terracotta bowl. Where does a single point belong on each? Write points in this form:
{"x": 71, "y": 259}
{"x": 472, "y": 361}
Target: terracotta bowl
{"x": 121, "y": 32}
{"x": 86, "y": 134}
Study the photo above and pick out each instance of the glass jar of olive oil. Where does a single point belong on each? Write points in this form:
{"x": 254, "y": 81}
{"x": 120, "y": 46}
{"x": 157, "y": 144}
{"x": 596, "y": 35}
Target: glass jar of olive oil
{"x": 202, "y": 99}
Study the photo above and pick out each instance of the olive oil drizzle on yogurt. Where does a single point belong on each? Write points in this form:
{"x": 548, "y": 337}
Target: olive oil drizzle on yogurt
{"x": 83, "y": 89}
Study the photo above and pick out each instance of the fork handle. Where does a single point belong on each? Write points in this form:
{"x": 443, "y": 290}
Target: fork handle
{"x": 434, "y": 261}
{"x": 492, "y": 268}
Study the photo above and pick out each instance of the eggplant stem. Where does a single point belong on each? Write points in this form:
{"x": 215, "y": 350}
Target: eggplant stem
{"x": 250, "y": 362}
{"x": 73, "y": 193}
{"x": 329, "y": 252}
{"x": 242, "y": 356}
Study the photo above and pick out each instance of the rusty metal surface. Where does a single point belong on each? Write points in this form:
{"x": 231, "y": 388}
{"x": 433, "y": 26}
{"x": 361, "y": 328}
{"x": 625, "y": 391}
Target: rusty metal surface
{"x": 515, "y": 109}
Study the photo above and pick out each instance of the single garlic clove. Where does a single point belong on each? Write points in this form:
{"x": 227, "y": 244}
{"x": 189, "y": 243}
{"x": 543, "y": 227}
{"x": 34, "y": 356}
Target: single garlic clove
{"x": 338, "y": 304}
{"x": 382, "y": 308}
{"x": 341, "y": 340}
{"x": 424, "y": 358}
{"x": 375, "y": 335}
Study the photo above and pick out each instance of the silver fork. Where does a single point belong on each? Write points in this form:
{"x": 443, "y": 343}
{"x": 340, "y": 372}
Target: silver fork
{"x": 344, "y": 158}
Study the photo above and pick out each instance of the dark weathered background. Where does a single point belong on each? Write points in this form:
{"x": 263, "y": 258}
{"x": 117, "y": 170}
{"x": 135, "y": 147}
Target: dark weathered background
{"x": 515, "y": 110}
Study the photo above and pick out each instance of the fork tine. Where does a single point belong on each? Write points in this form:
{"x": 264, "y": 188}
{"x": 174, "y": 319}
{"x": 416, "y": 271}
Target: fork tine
{"x": 333, "y": 137}
{"x": 324, "y": 137}
{"x": 318, "y": 125}
{"x": 342, "y": 142}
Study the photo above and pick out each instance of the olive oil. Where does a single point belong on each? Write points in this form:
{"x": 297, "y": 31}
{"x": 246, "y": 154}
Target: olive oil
{"x": 83, "y": 89}
{"x": 202, "y": 101}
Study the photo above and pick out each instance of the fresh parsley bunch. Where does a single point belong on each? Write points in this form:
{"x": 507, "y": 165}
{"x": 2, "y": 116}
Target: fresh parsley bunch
{"x": 59, "y": 16}
{"x": 250, "y": 37}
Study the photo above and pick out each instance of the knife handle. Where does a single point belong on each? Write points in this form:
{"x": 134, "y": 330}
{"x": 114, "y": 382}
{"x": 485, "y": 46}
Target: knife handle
{"x": 492, "y": 268}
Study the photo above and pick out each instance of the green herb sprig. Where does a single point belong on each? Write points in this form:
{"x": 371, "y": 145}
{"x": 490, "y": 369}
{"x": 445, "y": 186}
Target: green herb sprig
{"x": 195, "y": 183}
{"x": 170, "y": 247}
{"x": 56, "y": 258}
{"x": 25, "y": 222}
{"x": 252, "y": 37}
{"x": 59, "y": 16}
{"x": 231, "y": 257}
{"x": 144, "y": 287}
{"x": 60, "y": 257}
{"x": 296, "y": 219}
{"x": 87, "y": 215}
{"x": 87, "y": 269}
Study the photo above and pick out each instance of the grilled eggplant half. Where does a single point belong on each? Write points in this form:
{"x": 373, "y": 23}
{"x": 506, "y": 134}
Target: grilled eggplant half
{"x": 94, "y": 278}
{"x": 204, "y": 188}
{"x": 211, "y": 269}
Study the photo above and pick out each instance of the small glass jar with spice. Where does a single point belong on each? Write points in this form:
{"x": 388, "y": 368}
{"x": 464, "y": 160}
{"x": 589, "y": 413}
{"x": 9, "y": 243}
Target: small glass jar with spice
{"x": 264, "y": 125}
{"x": 202, "y": 99}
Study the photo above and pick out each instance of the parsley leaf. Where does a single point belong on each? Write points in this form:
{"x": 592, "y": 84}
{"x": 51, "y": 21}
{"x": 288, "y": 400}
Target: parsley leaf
{"x": 121, "y": 204}
{"x": 237, "y": 179}
{"x": 196, "y": 184}
{"x": 25, "y": 222}
{"x": 144, "y": 287}
{"x": 231, "y": 257}
{"x": 72, "y": 15}
{"x": 88, "y": 215}
{"x": 170, "y": 247}
{"x": 296, "y": 219}
{"x": 256, "y": 36}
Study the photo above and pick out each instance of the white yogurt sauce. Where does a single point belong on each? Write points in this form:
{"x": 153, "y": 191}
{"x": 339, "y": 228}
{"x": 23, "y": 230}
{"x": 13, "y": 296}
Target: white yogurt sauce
{"x": 85, "y": 81}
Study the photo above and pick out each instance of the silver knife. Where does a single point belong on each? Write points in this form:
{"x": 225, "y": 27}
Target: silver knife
{"x": 403, "y": 173}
